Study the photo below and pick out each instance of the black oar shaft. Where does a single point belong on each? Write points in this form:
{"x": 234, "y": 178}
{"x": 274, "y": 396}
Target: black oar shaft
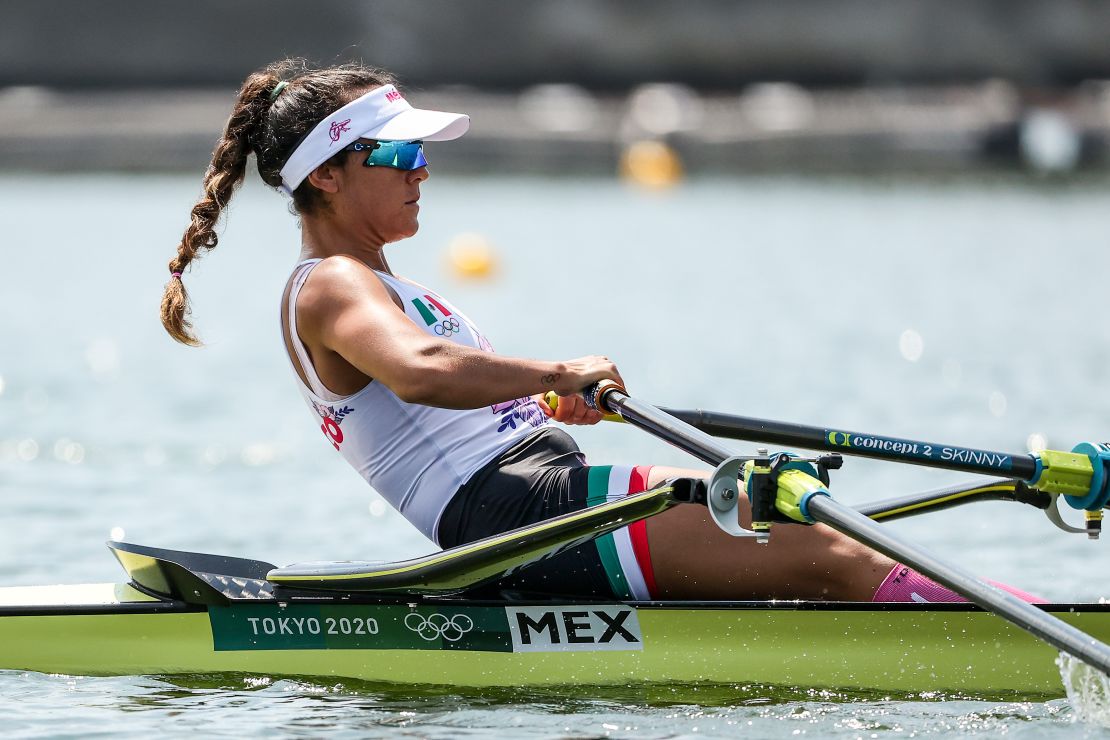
{"x": 880, "y": 447}
{"x": 1026, "y": 616}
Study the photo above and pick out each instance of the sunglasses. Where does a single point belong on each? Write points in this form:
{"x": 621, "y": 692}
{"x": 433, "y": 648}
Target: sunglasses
{"x": 400, "y": 155}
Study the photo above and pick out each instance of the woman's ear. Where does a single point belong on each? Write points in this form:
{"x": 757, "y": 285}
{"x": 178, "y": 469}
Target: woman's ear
{"x": 326, "y": 177}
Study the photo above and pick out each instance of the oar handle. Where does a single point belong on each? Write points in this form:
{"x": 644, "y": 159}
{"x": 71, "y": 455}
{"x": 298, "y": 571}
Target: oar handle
{"x": 551, "y": 398}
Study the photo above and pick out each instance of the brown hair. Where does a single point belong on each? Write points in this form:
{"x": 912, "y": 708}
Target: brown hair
{"x": 269, "y": 121}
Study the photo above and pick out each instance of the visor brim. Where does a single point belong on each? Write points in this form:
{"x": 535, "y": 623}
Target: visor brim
{"x": 417, "y": 124}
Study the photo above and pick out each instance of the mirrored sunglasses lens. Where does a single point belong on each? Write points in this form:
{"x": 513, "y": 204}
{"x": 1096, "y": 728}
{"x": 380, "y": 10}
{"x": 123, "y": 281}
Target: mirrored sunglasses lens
{"x": 419, "y": 160}
{"x": 406, "y": 155}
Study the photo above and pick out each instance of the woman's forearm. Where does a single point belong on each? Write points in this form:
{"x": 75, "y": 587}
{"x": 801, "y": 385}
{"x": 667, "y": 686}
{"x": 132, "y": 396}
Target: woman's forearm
{"x": 448, "y": 375}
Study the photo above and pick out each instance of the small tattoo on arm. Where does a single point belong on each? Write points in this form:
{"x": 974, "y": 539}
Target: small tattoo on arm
{"x": 550, "y": 379}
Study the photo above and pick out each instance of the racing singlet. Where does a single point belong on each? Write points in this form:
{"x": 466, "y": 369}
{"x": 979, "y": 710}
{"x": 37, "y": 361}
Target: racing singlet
{"x": 415, "y": 456}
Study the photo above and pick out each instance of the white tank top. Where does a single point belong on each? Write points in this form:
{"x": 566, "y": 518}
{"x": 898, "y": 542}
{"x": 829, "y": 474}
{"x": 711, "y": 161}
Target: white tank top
{"x": 415, "y": 456}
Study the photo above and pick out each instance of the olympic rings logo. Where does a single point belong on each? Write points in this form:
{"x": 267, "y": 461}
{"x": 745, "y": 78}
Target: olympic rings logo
{"x": 436, "y": 626}
{"x": 447, "y": 327}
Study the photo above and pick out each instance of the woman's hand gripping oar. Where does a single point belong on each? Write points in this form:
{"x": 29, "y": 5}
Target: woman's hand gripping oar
{"x": 812, "y": 503}
{"x": 551, "y": 398}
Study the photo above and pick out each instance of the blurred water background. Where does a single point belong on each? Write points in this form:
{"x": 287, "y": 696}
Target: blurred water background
{"x": 908, "y": 203}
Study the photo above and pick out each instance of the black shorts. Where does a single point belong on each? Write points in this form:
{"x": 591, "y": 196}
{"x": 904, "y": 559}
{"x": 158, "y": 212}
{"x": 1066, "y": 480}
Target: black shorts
{"x": 543, "y": 476}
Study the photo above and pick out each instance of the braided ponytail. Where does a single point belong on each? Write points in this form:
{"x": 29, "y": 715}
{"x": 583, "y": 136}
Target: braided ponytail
{"x": 225, "y": 173}
{"x": 276, "y": 108}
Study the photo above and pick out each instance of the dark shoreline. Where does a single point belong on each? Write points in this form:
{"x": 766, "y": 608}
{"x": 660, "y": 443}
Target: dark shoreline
{"x": 764, "y": 128}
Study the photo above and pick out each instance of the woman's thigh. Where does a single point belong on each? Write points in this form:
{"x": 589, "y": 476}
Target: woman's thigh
{"x": 693, "y": 559}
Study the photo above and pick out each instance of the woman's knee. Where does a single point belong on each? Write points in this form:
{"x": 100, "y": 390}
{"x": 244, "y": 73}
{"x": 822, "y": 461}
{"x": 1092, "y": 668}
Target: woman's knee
{"x": 842, "y": 568}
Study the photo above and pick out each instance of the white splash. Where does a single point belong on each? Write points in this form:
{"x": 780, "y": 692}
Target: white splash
{"x": 1088, "y": 690}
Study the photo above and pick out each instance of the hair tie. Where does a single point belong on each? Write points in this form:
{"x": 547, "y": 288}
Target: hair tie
{"x": 277, "y": 90}
{"x": 175, "y": 275}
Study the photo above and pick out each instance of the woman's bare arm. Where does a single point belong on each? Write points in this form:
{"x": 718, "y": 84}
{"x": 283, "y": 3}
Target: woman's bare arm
{"x": 345, "y": 307}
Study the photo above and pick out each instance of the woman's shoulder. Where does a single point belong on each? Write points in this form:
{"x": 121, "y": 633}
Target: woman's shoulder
{"x": 340, "y": 266}
{"x": 338, "y": 280}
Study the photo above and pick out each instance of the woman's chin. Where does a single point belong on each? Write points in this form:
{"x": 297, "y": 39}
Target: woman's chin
{"x": 406, "y": 232}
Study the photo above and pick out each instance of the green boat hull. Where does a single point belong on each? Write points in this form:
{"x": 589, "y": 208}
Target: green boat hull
{"x": 116, "y": 630}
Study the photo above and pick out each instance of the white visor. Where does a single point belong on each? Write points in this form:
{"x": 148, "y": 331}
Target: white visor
{"x": 382, "y": 114}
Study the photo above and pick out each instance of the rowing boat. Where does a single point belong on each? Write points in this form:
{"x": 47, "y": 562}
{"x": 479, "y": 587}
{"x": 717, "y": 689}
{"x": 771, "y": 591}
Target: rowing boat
{"x": 175, "y": 616}
{"x": 442, "y": 620}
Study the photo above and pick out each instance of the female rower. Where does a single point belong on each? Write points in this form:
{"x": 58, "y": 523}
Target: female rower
{"x": 407, "y": 388}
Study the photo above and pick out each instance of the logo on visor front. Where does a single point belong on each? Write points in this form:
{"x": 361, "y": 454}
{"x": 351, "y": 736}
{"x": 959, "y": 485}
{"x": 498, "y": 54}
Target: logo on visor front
{"x": 393, "y": 96}
{"x": 338, "y": 128}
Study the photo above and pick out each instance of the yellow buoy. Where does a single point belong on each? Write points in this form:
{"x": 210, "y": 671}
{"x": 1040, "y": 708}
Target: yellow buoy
{"x": 471, "y": 256}
{"x": 652, "y": 164}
